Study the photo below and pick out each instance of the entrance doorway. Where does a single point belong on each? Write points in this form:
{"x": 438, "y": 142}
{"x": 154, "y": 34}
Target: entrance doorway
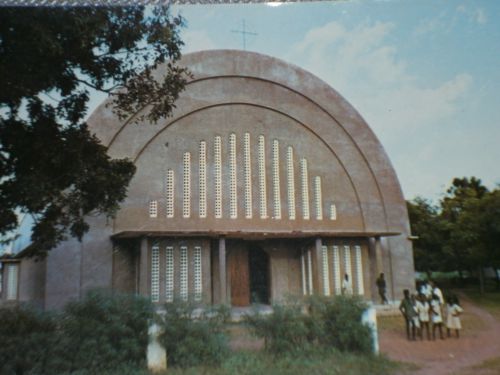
{"x": 258, "y": 261}
{"x": 249, "y": 272}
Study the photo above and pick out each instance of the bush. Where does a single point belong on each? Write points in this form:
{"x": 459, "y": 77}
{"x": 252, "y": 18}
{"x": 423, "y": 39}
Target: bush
{"x": 330, "y": 323}
{"x": 26, "y": 338}
{"x": 339, "y": 320}
{"x": 285, "y": 330}
{"x": 103, "y": 332}
{"x": 194, "y": 336}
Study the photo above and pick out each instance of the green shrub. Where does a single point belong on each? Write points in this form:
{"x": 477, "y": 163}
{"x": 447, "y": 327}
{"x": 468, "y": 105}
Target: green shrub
{"x": 285, "y": 330}
{"x": 330, "y": 323}
{"x": 193, "y": 336}
{"x": 103, "y": 332}
{"x": 26, "y": 338}
{"x": 337, "y": 323}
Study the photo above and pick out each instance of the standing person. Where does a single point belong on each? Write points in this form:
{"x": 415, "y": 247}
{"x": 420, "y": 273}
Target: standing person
{"x": 437, "y": 292}
{"x": 382, "y": 288}
{"x": 426, "y": 290}
{"x": 437, "y": 316}
{"x": 409, "y": 313}
{"x": 346, "y": 285}
{"x": 422, "y": 307}
{"x": 453, "y": 316}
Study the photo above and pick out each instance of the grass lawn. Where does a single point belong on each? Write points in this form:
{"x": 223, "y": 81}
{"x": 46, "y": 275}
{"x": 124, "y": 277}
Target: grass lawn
{"x": 257, "y": 363}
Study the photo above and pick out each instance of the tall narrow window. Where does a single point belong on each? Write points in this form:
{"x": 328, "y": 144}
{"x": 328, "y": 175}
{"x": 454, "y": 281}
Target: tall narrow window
{"x": 336, "y": 269}
{"x": 333, "y": 212}
{"x": 276, "y": 180}
{"x": 197, "y": 274}
{"x": 347, "y": 262}
{"x": 169, "y": 274}
{"x": 170, "y": 193}
{"x": 318, "y": 200}
{"x": 155, "y": 273}
{"x": 12, "y": 277}
{"x": 290, "y": 178}
{"x": 203, "y": 179}
{"x": 304, "y": 275}
{"x": 309, "y": 272}
{"x": 184, "y": 273}
{"x": 153, "y": 208}
{"x": 326, "y": 273}
{"x": 233, "y": 198}
{"x": 218, "y": 176}
{"x": 359, "y": 270}
{"x": 304, "y": 179}
{"x": 186, "y": 201}
{"x": 248, "y": 175}
{"x": 262, "y": 177}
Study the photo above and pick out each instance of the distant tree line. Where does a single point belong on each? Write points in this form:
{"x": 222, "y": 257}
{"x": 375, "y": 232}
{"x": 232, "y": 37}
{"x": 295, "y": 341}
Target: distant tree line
{"x": 459, "y": 233}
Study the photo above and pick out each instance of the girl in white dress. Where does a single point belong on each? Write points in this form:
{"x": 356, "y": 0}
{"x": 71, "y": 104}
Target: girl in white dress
{"x": 437, "y": 317}
{"x": 422, "y": 307}
{"x": 453, "y": 316}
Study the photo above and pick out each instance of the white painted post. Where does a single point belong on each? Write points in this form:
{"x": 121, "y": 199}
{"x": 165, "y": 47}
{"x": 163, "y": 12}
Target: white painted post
{"x": 369, "y": 318}
{"x": 156, "y": 355}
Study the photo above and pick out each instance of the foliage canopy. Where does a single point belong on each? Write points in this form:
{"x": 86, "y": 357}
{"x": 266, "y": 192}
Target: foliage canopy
{"x": 51, "y": 61}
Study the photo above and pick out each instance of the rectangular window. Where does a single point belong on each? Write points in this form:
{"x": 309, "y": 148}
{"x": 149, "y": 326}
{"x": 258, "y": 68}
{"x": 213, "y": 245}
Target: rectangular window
{"x": 248, "y": 175}
{"x": 218, "y": 176}
{"x": 197, "y": 274}
{"x": 233, "y": 183}
{"x": 290, "y": 176}
{"x": 169, "y": 274}
{"x": 309, "y": 272}
{"x": 318, "y": 200}
{"x": 186, "y": 201}
{"x": 347, "y": 262}
{"x": 359, "y": 270}
{"x": 184, "y": 273}
{"x": 276, "y": 180}
{"x": 12, "y": 280}
{"x": 333, "y": 212}
{"x": 262, "y": 177}
{"x": 336, "y": 270}
{"x": 155, "y": 273}
{"x": 153, "y": 208}
{"x": 304, "y": 179}
{"x": 170, "y": 193}
{"x": 326, "y": 273}
{"x": 203, "y": 179}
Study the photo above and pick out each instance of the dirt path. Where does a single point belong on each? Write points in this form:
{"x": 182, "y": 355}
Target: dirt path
{"x": 449, "y": 356}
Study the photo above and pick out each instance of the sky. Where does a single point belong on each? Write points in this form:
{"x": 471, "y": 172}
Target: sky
{"x": 424, "y": 74}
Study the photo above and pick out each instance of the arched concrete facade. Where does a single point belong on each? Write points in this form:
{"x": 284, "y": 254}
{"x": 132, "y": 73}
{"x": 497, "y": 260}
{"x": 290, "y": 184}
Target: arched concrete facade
{"x": 259, "y": 152}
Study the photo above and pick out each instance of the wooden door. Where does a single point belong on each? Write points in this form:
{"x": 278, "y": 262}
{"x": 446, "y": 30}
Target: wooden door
{"x": 240, "y": 281}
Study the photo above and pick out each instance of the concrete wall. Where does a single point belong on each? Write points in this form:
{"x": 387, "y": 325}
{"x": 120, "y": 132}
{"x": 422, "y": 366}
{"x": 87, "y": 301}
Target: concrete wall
{"x": 238, "y": 92}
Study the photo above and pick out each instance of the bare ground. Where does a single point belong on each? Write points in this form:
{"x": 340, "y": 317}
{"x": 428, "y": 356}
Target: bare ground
{"x": 450, "y": 356}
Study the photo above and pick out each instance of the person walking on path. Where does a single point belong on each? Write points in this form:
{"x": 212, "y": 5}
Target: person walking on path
{"x": 382, "y": 288}
{"x": 409, "y": 313}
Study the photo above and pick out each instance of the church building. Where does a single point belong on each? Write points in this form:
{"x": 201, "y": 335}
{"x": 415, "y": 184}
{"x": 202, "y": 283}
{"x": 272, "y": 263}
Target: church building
{"x": 264, "y": 183}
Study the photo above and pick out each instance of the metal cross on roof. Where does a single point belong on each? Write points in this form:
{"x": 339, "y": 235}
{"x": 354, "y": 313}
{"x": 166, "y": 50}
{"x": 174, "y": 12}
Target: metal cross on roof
{"x": 244, "y": 34}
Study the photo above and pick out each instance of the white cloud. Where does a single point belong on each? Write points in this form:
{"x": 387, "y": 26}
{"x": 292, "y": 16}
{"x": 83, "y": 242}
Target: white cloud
{"x": 195, "y": 40}
{"x": 480, "y": 16}
{"x": 397, "y": 103}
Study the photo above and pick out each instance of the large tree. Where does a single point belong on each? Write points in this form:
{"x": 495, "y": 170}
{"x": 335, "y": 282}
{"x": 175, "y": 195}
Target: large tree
{"x": 51, "y": 61}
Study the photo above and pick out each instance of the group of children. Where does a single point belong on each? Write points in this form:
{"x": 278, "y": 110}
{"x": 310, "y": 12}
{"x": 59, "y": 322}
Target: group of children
{"x": 428, "y": 308}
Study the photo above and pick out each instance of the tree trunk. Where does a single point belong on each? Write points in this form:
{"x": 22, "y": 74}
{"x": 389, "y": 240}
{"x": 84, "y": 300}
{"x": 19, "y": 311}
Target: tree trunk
{"x": 481, "y": 280}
